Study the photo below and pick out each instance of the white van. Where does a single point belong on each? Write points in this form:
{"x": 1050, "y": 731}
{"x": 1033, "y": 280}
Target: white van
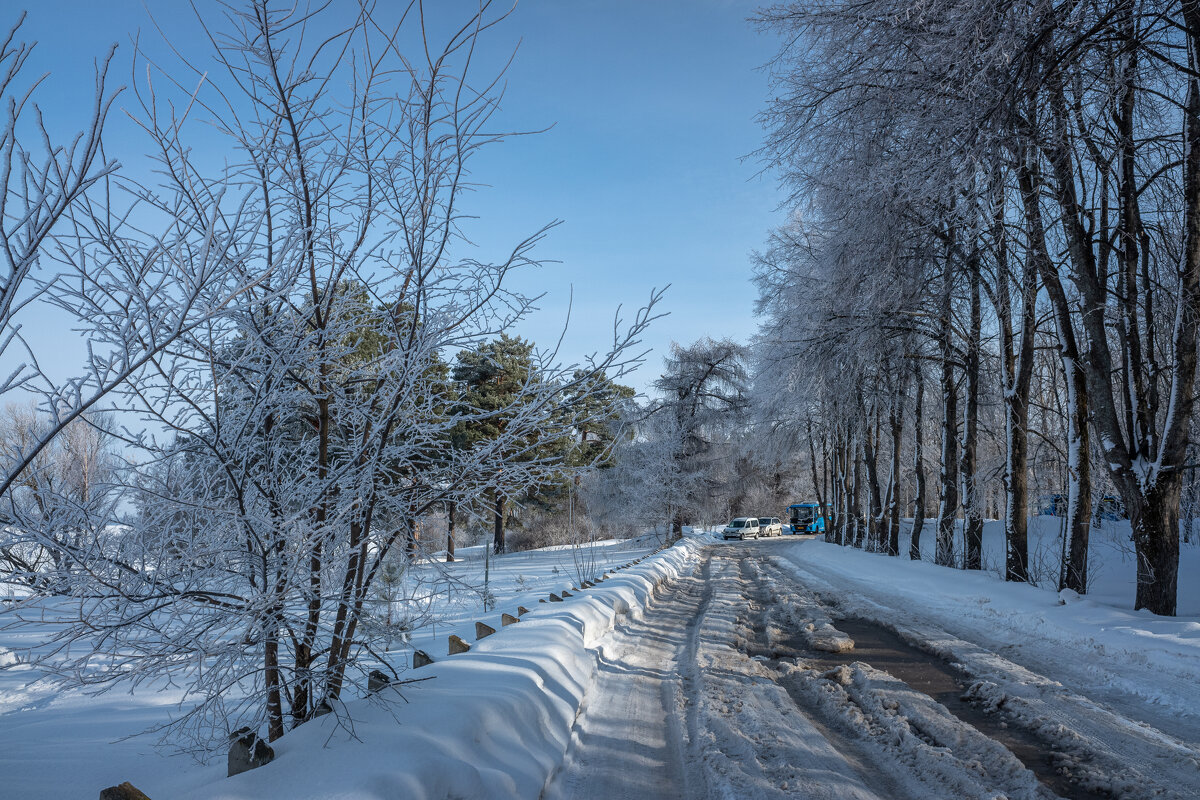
{"x": 742, "y": 528}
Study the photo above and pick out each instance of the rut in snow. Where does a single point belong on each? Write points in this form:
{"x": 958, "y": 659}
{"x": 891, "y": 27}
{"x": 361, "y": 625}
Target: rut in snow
{"x": 887, "y": 652}
{"x": 786, "y": 639}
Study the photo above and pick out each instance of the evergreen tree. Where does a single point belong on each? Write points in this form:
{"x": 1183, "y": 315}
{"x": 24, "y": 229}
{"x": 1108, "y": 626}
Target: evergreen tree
{"x": 493, "y": 377}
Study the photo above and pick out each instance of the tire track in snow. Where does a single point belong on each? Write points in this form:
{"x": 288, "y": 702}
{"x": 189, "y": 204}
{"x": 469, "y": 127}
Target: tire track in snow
{"x": 1107, "y": 753}
{"x": 631, "y": 735}
{"x": 900, "y": 735}
{"x": 753, "y": 740}
{"x": 719, "y": 727}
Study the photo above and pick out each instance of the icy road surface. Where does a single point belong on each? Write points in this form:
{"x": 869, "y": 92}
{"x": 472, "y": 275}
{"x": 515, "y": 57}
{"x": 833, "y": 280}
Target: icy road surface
{"x": 745, "y": 679}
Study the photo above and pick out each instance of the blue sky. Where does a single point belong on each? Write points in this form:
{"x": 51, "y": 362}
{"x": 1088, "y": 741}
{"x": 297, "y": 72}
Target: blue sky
{"x": 652, "y": 104}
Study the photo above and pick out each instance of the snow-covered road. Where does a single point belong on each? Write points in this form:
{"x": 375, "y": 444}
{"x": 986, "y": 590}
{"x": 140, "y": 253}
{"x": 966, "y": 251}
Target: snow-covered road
{"x": 740, "y": 681}
{"x": 629, "y": 740}
{"x": 677, "y": 712}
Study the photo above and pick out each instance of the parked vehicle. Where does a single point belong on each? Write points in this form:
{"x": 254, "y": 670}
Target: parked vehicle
{"x": 770, "y": 526}
{"x": 806, "y": 518}
{"x": 742, "y": 528}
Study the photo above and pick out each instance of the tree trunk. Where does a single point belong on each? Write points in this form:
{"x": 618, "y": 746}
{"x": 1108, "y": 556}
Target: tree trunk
{"x": 1016, "y": 407}
{"x": 1078, "y": 524}
{"x": 856, "y": 515}
{"x": 450, "y": 508}
{"x": 914, "y": 546}
{"x": 895, "y": 420}
{"x": 1156, "y": 538}
{"x": 948, "y": 508}
{"x": 871, "y": 461}
{"x": 812, "y": 454}
{"x": 973, "y": 519}
{"x": 412, "y": 536}
{"x": 272, "y": 678}
{"x": 498, "y": 545}
{"x": 845, "y": 525}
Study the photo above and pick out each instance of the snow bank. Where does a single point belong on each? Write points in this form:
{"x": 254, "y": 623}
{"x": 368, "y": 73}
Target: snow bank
{"x": 491, "y": 723}
{"x": 1112, "y": 689}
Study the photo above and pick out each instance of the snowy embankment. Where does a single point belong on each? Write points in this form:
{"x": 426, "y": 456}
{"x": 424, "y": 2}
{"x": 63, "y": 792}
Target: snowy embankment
{"x": 1156, "y": 659}
{"x": 491, "y": 723}
{"x": 58, "y": 742}
{"x": 1114, "y": 690}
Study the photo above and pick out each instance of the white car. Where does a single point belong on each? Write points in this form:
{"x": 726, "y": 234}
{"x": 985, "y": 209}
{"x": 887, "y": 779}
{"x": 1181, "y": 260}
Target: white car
{"x": 770, "y": 526}
{"x": 742, "y": 528}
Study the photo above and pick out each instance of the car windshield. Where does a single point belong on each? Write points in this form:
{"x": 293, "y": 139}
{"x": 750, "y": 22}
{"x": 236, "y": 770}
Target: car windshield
{"x": 737, "y": 523}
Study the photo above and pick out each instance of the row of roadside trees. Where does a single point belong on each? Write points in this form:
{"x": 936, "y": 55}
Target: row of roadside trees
{"x": 996, "y": 226}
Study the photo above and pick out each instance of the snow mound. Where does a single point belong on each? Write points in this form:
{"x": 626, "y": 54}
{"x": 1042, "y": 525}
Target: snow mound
{"x": 491, "y": 723}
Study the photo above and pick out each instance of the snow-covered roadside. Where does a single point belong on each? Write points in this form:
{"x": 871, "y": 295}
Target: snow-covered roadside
{"x": 58, "y": 743}
{"x": 1153, "y": 660}
{"x": 1040, "y": 665}
{"x": 491, "y": 723}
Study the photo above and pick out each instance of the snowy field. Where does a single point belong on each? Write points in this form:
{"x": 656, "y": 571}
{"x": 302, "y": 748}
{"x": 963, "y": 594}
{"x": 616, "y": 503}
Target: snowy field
{"x": 702, "y": 672}
{"x": 1112, "y": 578}
{"x": 58, "y": 744}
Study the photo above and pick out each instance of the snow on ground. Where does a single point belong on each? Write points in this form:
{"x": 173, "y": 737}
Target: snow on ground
{"x": 751, "y": 738}
{"x": 1111, "y": 559}
{"x": 677, "y": 712}
{"x": 57, "y": 744}
{"x": 1151, "y": 662}
{"x": 704, "y": 672}
{"x": 1113, "y": 689}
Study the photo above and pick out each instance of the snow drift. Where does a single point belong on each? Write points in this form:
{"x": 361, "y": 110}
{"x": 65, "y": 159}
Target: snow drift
{"x": 491, "y": 723}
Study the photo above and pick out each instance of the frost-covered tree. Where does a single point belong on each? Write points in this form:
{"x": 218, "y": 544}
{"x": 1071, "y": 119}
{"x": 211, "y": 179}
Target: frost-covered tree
{"x": 308, "y": 420}
{"x": 704, "y": 389}
{"x": 42, "y": 182}
{"x": 1038, "y": 157}
{"x": 71, "y": 481}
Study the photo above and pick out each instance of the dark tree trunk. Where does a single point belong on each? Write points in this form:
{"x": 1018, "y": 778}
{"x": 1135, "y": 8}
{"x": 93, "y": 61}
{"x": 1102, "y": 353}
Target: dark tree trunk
{"x": 914, "y": 546}
{"x": 973, "y": 519}
{"x": 812, "y": 454}
{"x": 498, "y": 545}
{"x": 1155, "y": 524}
{"x": 450, "y": 509}
{"x": 846, "y": 527}
{"x": 856, "y": 516}
{"x": 948, "y": 508}
{"x": 1018, "y": 375}
{"x": 412, "y": 537}
{"x": 871, "y": 461}
{"x": 895, "y": 420}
